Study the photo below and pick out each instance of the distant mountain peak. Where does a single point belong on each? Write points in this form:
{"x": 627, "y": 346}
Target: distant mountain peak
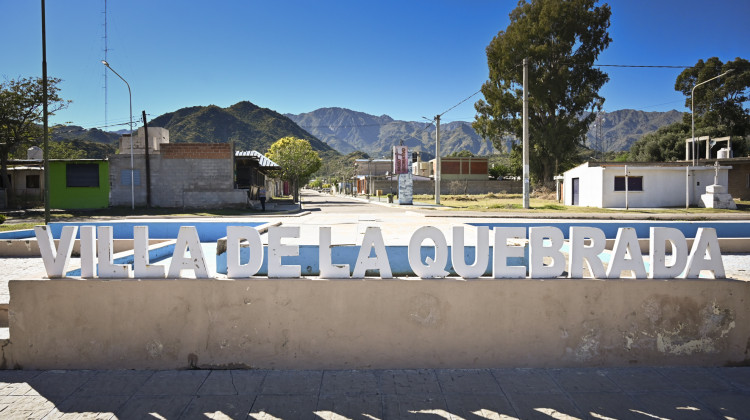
{"x": 249, "y": 126}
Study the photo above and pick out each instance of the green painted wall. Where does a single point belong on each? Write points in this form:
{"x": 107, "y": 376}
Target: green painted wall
{"x": 63, "y": 197}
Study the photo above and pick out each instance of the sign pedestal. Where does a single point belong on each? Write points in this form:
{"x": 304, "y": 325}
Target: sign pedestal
{"x": 405, "y": 189}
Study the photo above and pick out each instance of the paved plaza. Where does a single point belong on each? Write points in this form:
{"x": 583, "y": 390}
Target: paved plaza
{"x": 626, "y": 393}
{"x": 635, "y": 392}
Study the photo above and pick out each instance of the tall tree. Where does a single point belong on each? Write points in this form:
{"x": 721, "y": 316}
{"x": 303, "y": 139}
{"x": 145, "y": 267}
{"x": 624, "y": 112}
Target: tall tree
{"x": 21, "y": 103}
{"x": 297, "y": 159}
{"x": 719, "y": 111}
{"x": 561, "y": 39}
{"x": 719, "y": 104}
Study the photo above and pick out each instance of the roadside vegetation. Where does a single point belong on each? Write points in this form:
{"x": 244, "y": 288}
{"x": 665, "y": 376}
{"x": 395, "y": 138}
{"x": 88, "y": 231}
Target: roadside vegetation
{"x": 546, "y": 203}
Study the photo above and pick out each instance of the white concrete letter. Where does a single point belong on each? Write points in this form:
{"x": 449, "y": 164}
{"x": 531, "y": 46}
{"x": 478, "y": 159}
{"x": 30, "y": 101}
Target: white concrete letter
{"x": 327, "y": 268}
{"x": 235, "y": 235}
{"x": 88, "y": 252}
{"x": 435, "y": 268}
{"x": 55, "y": 260}
{"x": 580, "y": 253}
{"x": 659, "y": 269}
{"x": 626, "y": 245}
{"x": 141, "y": 260}
{"x": 537, "y": 252}
{"x": 373, "y": 241}
{"x": 107, "y": 268}
{"x": 276, "y": 250}
{"x": 706, "y": 243}
{"x": 501, "y": 251}
{"x": 187, "y": 241}
{"x": 482, "y": 252}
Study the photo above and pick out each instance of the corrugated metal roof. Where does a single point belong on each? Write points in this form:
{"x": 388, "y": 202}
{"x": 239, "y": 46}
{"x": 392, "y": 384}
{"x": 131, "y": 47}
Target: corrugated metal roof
{"x": 263, "y": 161}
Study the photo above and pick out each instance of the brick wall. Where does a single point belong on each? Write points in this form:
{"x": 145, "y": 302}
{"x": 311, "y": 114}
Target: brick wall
{"x": 182, "y": 176}
{"x": 196, "y": 151}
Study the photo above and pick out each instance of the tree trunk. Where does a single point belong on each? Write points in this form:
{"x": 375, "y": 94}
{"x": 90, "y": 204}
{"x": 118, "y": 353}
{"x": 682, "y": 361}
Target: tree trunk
{"x": 295, "y": 190}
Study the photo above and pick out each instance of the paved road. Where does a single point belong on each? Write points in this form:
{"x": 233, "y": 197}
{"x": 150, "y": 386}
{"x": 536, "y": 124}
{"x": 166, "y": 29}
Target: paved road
{"x": 627, "y": 393}
{"x": 316, "y": 202}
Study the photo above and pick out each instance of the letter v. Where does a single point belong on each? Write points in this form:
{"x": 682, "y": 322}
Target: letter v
{"x": 55, "y": 261}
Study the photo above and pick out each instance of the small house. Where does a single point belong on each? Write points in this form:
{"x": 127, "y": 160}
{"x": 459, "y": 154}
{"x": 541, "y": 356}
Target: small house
{"x": 640, "y": 184}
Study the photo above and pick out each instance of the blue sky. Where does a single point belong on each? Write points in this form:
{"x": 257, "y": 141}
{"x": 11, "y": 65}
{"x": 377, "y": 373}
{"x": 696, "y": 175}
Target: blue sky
{"x": 406, "y": 59}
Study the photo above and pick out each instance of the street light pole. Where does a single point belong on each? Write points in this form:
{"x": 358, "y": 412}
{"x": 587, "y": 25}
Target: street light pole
{"x": 130, "y": 95}
{"x": 692, "y": 113}
{"x": 437, "y": 159}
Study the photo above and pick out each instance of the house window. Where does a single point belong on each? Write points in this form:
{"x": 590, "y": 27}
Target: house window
{"x": 125, "y": 177}
{"x": 635, "y": 183}
{"x": 32, "y": 181}
{"x": 82, "y": 175}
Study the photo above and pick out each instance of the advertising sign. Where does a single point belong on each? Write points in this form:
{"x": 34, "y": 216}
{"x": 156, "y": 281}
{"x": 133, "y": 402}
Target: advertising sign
{"x": 401, "y": 160}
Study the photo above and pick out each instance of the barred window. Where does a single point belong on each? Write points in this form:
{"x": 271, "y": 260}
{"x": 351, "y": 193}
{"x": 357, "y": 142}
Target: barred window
{"x": 635, "y": 183}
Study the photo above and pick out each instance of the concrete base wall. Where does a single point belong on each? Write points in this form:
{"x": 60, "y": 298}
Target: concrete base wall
{"x": 360, "y": 324}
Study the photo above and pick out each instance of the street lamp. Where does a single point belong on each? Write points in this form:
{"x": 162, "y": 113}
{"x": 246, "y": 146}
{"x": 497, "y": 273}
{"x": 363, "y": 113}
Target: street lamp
{"x": 692, "y": 112}
{"x": 130, "y": 95}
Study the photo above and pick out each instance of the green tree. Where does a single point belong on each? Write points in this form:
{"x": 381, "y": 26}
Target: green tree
{"x": 316, "y": 183}
{"x": 561, "y": 39}
{"x": 719, "y": 104}
{"x": 462, "y": 153}
{"x": 21, "y": 105}
{"x": 666, "y": 144}
{"x": 719, "y": 112}
{"x": 297, "y": 159}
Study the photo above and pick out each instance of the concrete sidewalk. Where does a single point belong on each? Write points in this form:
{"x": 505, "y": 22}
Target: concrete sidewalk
{"x": 612, "y": 393}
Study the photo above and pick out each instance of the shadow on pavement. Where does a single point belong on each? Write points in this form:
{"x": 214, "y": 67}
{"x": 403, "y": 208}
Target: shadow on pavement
{"x": 678, "y": 393}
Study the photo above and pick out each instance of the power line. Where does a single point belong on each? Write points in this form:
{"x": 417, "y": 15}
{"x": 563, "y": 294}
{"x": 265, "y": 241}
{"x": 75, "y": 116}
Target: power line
{"x": 454, "y": 106}
{"x": 641, "y": 66}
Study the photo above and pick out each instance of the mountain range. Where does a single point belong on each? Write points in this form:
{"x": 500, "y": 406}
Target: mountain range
{"x": 620, "y": 129}
{"x": 347, "y": 131}
{"x": 249, "y": 126}
{"x": 341, "y": 130}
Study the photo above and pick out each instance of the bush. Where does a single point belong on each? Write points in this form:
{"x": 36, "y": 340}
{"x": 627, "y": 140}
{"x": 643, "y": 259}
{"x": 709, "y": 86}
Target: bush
{"x": 2, "y": 219}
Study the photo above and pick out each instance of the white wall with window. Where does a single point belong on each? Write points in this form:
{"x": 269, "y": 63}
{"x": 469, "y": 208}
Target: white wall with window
{"x": 648, "y": 185}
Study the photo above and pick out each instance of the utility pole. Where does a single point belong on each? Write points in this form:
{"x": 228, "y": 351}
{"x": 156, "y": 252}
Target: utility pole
{"x": 45, "y": 116}
{"x": 437, "y": 159}
{"x": 148, "y": 163}
{"x": 526, "y": 184}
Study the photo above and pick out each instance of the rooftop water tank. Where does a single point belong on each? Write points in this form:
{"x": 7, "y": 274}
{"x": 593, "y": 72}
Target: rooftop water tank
{"x": 723, "y": 154}
{"x": 34, "y": 153}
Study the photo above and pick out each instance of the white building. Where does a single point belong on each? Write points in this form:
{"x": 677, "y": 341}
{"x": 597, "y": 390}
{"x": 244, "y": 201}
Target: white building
{"x": 649, "y": 185}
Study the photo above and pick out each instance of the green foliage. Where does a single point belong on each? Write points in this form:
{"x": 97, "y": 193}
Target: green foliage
{"x": 297, "y": 159}
{"x": 340, "y": 168}
{"x": 719, "y": 112}
{"x": 315, "y": 183}
{"x": 80, "y": 149}
{"x": 2, "y": 219}
{"x": 462, "y": 153}
{"x": 561, "y": 39}
{"x": 498, "y": 171}
{"x": 667, "y": 144}
{"x": 719, "y": 104}
{"x": 21, "y": 109}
